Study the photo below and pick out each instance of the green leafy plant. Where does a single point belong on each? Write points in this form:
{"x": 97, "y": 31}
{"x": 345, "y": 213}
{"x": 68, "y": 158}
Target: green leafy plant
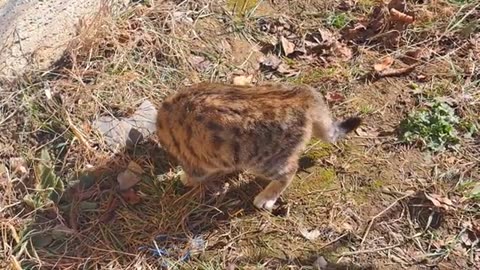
{"x": 49, "y": 187}
{"x": 338, "y": 20}
{"x": 434, "y": 127}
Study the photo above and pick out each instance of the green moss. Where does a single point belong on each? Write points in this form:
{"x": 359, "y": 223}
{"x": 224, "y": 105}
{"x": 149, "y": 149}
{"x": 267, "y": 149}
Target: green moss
{"x": 377, "y": 184}
{"x": 327, "y": 177}
{"x": 319, "y": 179}
{"x": 317, "y": 149}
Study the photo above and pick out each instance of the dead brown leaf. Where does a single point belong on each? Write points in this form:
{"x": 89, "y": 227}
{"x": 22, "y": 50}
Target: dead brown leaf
{"x": 18, "y": 165}
{"x": 421, "y": 78}
{"x": 287, "y": 46}
{"x": 309, "y": 234}
{"x": 346, "y": 5}
{"x": 342, "y": 51}
{"x": 367, "y": 132}
{"x": 357, "y": 32}
{"x": 398, "y": 16}
{"x": 270, "y": 61}
{"x": 439, "y": 201}
{"x": 391, "y": 72}
{"x": 320, "y": 263}
{"x": 334, "y": 97}
{"x": 130, "y": 196}
{"x": 412, "y": 56}
{"x": 200, "y": 63}
{"x": 285, "y": 70}
{"x": 384, "y": 63}
{"x": 327, "y": 35}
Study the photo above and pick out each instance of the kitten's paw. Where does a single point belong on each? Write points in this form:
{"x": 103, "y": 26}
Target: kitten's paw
{"x": 262, "y": 202}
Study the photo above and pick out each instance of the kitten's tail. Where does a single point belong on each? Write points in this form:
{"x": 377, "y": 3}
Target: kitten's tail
{"x": 348, "y": 125}
{"x": 331, "y": 131}
{"x": 343, "y": 127}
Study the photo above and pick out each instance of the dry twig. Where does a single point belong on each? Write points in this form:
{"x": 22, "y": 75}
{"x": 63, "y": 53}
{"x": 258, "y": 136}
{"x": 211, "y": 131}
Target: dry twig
{"x": 380, "y": 214}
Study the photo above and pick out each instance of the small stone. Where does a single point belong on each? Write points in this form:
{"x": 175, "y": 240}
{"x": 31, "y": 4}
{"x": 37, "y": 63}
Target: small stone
{"x": 127, "y": 179}
{"x": 115, "y": 132}
{"x": 320, "y": 263}
{"x": 144, "y": 119}
{"x": 310, "y": 235}
{"x": 122, "y": 132}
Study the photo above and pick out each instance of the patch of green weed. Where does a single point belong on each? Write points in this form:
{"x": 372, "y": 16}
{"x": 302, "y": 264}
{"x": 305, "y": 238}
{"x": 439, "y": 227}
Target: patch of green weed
{"x": 241, "y": 6}
{"x": 49, "y": 187}
{"x": 434, "y": 127}
{"x": 366, "y": 109}
{"x": 314, "y": 76}
{"x": 470, "y": 190}
{"x": 338, "y": 20}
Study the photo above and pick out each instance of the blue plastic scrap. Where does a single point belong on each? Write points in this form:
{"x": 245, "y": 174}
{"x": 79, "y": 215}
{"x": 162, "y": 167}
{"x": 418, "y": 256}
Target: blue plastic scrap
{"x": 174, "y": 248}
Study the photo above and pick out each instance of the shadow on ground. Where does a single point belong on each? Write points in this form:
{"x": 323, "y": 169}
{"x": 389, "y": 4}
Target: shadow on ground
{"x": 164, "y": 222}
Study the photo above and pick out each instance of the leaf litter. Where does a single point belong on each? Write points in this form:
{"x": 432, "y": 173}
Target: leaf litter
{"x": 317, "y": 44}
{"x": 385, "y": 24}
{"x": 288, "y": 53}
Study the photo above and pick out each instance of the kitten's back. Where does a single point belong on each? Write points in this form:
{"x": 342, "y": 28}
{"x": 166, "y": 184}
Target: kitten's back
{"x": 225, "y": 126}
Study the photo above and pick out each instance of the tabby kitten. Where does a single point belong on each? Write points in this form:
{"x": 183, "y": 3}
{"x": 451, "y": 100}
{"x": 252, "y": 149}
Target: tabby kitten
{"x": 214, "y": 129}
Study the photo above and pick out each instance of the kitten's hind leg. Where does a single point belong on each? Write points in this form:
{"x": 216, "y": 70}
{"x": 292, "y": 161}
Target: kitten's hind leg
{"x": 267, "y": 198}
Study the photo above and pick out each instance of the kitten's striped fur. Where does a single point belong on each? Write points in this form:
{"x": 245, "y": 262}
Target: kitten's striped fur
{"x": 213, "y": 129}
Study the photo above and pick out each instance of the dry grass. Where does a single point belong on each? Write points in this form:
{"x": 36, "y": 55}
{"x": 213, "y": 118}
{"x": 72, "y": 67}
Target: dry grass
{"x": 365, "y": 196}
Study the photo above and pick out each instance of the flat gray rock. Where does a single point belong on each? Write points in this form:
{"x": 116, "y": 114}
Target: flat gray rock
{"x": 127, "y": 132}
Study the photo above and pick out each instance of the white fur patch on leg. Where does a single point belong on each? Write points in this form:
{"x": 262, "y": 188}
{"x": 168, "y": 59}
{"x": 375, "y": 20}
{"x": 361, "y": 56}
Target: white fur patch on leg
{"x": 264, "y": 203}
